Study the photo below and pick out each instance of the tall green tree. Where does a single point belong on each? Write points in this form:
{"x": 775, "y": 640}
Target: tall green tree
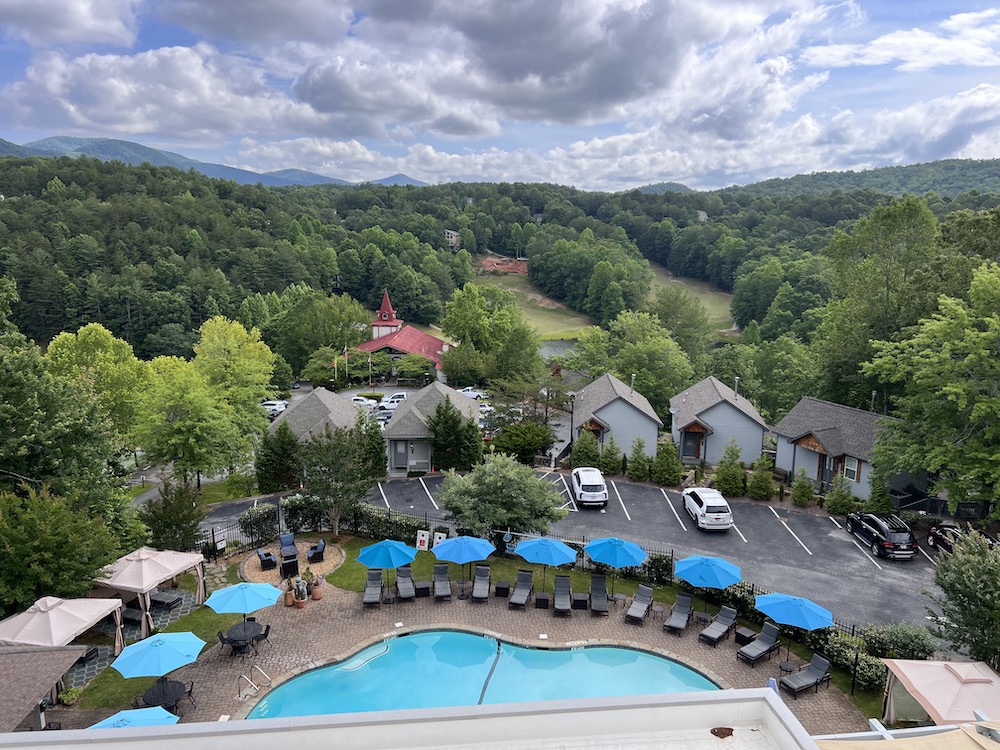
{"x": 278, "y": 464}
{"x": 500, "y": 494}
{"x": 524, "y": 441}
{"x": 610, "y": 462}
{"x": 174, "y": 515}
{"x": 729, "y": 476}
{"x": 455, "y": 438}
{"x": 638, "y": 461}
{"x": 666, "y": 468}
{"x": 335, "y": 473}
{"x": 585, "y": 451}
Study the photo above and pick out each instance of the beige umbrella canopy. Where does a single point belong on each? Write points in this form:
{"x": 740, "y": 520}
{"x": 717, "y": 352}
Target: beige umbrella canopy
{"x": 52, "y": 621}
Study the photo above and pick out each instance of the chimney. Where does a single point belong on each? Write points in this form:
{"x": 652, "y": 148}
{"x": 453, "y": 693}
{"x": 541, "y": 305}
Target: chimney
{"x": 632, "y": 387}
{"x": 736, "y": 389}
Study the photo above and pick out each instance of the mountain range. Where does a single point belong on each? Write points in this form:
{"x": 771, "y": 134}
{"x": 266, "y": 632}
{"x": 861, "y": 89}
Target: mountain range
{"x": 110, "y": 149}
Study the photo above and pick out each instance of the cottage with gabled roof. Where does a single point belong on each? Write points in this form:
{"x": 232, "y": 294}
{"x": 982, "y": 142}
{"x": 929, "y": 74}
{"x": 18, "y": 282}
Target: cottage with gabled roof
{"x": 408, "y": 434}
{"x": 706, "y": 416}
{"x": 317, "y": 412}
{"x": 392, "y": 336}
{"x": 608, "y": 407}
{"x": 827, "y": 439}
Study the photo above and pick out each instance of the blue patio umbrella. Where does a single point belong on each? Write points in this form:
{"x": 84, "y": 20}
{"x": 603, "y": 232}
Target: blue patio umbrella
{"x": 158, "y": 654}
{"x": 618, "y": 553}
{"x": 138, "y": 717}
{"x": 707, "y": 572}
{"x": 243, "y": 598}
{"x": 388, "y": 553}
{"x": 546, "y": 552}
{"x": 462, "y": 550}
{"x": 794, "y": 611}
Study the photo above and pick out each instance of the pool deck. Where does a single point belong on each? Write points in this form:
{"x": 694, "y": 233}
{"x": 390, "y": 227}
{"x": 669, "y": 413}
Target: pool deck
{"x": 337, "y": 626}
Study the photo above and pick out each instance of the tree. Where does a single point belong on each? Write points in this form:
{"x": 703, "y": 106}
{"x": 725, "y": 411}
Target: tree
{"x": 761, "y": 484}
{"x": 318, "y": 370}
{"x": 278, "y": 464}
{"x": 638, "y": 461}
{"x": 839, "y": 499}
{"x": 969, "y": 602}
{"x": 501, "y": 493}
{"x": 524, "y": 441}
{"x": 729, "y": 476}
{"x": 950, "y": 376}
{"x": 585, "y": 451}
{"x": 803, "y": 489}
{"x": 335, "y": 472}
{"x": 415, "y": 367}
{"x": 314, "y": 321}
{"x": 173, "y": 517}
{"x": 47, "y": 548}
{"x": 684, "y": 316}
{"x": 610, "y": 462}
{"x": 455, "y": 439}
{"x": 666, "y": 468}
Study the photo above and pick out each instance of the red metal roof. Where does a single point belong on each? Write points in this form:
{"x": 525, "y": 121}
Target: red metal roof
{"x": 410, "y": 341}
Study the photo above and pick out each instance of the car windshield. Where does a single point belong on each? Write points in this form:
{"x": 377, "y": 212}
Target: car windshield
{"x": 716, "y": 509}
{"x": 593, "y": 488}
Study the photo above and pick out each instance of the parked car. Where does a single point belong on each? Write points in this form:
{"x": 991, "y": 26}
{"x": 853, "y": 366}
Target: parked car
{"x": 274, "y": 408}
{"x": 589, "y": 487}
{"x": 707, "y": 508}
{"x": 472, "y": 392}
{"x": 947, "y": 534}
{"x": 368, "y": 403}
{"x": 391, "y": 402}
{"x": 887, "y": 535}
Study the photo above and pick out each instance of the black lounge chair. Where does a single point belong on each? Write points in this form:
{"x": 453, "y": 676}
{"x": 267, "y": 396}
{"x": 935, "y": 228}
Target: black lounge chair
{"x": 523, "y": 588}
{"x": 562, "y": 598}
{"x": 763, "y": 645}
{"x": 373, "y": 589}
{"x": 720, "y": 627}
{"x": 481, "y": 584}
{"x": 287, "y": 543}
{"x": 442, "y": 582}
{"x": 598, "y": 595}
{"x": 167, "y": 599}
{"x": 315, "y": 553}
{"x": 405, "y": 591}
{"x": 267, "y": 560}
{"x": 641, "y": 603}
{"x": 680, "y": 615}
{"x": 815, "y": 672}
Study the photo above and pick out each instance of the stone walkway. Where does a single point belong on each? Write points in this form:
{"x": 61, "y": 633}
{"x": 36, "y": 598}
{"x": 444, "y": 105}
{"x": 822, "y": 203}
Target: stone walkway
{"x": 337, "y": 626}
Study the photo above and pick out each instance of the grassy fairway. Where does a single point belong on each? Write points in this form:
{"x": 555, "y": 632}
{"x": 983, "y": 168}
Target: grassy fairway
{"x": 716, "y": 303}
{"x": 551, "y": 319}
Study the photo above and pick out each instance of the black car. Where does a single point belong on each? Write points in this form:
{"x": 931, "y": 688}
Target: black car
{"x": 887, "y": 535}
{"x": 946, "y": 535}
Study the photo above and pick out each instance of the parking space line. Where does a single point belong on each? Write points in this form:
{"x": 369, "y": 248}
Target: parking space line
{"x": 384, "y": 498}
{"x": 930, "y": 559}
{"x": 865, "y": 554}
{"x": 836, "y": 522}
{"x": 429, "y": 495}
{"x": 622, "y": 502}
{"x": 545, "y": 475}
{"x": 788, "y": 529}
{"x": 737, "y": 528}
{"x": 674, "y": 510}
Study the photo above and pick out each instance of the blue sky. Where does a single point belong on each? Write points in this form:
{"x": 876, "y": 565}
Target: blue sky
{"x": 600, "y": 94}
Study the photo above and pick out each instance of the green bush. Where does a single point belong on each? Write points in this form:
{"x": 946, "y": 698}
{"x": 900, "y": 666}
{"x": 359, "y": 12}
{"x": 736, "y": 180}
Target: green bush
{"x": 302, "y": 513}
{"x": 610, "y": 461}
{"x": 741, "y": 597}
{"x": 260, "y": 523}
{"x": 658, "y": 568}
{"x": 761, "y": 486}
{"x": 666, "y": 468}
{"x": 638, "y": 463}
{"x": 842, "y": 649}
{"x": 730, "y": 476}
{"x": 585, "y": 451}
{"x": 803, "y": 489}
{"x": 839, "y": 500}
{"x": 899, "y": 640}
{"x": 870, "y": 674}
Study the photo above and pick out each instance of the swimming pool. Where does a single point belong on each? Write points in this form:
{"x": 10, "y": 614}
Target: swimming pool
{"x": 439, "y": 668}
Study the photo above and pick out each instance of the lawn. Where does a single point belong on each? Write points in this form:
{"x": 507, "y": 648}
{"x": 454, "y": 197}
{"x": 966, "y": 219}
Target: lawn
{"x": 716, "y": 303}
{"x": 551, "y": 319}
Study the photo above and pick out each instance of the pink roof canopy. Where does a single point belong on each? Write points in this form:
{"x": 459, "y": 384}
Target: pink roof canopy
{"x": 52, "y": 621}
{"x": 949, "y": 691}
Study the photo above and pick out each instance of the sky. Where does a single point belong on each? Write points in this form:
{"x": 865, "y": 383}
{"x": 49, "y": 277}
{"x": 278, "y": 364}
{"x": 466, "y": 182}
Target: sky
{"x": 597, "y": 94}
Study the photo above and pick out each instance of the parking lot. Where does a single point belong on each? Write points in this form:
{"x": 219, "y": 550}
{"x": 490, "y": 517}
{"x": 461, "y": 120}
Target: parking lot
{"x": 779, "y": 548}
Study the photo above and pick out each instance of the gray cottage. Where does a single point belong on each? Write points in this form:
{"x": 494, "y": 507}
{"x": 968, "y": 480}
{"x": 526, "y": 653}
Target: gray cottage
{"x": 321, "y": 409}
{"x": 827, "y": 439}
{"x": 608, "y": 407}
{"x": 407, "y": 435}
{"x": 706, "y": 416}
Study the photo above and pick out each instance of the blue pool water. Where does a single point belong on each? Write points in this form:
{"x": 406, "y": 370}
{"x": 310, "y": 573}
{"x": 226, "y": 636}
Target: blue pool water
{"x": 445, "y": 668}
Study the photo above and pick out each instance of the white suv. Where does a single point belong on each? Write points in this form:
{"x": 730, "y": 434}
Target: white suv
{"x": 391, "y": 402}
{"x": 274, "y": 408}
{"x": 589, "y": 487}
{"x": 707, "y": 508}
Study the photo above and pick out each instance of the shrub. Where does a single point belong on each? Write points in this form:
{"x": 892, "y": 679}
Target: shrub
{"x": 610, "y": 462}
{"x": 761, "y": 486}
{"x": 666, "y": 468}
{"x": 842, "y": 649}
{"x": 260, "y": 523}
{"x": 899, "y": 640}
{"x": 302, "y": 513}
{"x": 741, "y": 597}
{"x": 803, "y": 489}
{"x": 729, "y": 476}
{"x": 839, "y": 500}
{"x": 638, "y": 462}
{"x": 659, "y": 568}
{"x": 585, "y": 451}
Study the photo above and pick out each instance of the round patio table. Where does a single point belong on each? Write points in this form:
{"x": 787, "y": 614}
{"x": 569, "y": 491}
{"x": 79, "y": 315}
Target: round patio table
{"x": 164, "y": 693}
{"x": 245, "y": 631}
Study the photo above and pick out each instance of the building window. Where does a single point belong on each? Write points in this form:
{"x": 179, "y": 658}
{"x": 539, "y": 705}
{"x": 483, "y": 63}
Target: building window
{"x": 851, "y": 469}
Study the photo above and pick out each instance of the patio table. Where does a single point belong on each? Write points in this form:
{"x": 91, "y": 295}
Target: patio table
{"x": 242, "y": 635}
{"x": 164, "y": 693}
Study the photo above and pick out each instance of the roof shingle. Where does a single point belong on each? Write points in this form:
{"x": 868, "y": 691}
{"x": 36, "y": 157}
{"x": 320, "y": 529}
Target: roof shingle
{"x": 598, "y": 394}
{"x": 841, "y": 430}
{"x": 705, "y": 394}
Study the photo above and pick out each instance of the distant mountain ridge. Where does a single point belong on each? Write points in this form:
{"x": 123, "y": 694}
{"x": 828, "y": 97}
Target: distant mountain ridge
{"x": 128, "y": 152}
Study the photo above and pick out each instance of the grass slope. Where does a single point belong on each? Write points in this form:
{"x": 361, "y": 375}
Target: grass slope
{"x": 716, "y": 303}
{"x": 551, "y": 319}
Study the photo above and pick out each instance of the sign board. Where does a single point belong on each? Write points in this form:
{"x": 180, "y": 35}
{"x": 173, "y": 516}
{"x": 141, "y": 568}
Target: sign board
{"x": 423, "y": 540}
{"x": 439, "y": 536}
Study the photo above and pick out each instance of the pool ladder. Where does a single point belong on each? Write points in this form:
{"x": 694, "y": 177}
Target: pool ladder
{"x": 251, "y": 687}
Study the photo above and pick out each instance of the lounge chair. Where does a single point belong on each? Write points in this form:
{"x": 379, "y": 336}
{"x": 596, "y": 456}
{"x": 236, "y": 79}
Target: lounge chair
{"x": 598, "y": 595}
{"x": 405, "y": 591}
{"x": 442, "y": 582}
{"x": 168, "y": 599}
{"x": 719, "y": 628}
{"x": 523, "y": 588}
{"x": 641, "y": 603}
{"x": 481, "y": 584}
{"x": 763, "y": 645}
{"x": 680, "y": 615}
{"x": 562, "y": 598}
{"x": 815, "y": 672}
{"x": 373, "y": 589}
{"x": 287, "y": 543}
{"x": 267, "y": 560}
{"x": 315, "y": 553}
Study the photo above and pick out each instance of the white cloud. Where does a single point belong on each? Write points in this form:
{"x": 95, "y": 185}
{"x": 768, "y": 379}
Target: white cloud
{"x": 46, "y": 22}
{"x": 261, "y": 21}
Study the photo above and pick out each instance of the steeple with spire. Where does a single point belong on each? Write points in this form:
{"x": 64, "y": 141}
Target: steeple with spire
{"x": 385, "y": 321}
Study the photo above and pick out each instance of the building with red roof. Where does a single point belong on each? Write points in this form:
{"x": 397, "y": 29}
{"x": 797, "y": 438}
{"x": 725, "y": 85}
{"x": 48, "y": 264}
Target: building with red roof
{"x": 392, "y": 336}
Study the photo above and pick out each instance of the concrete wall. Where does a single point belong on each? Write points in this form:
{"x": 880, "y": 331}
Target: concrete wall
{"x": 627, "y": 423}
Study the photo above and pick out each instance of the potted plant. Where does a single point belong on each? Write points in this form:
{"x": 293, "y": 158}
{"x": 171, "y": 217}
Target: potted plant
{"x": 289, "y": 592}
{"x": 70, "y": 696}
{"x": 317, "y": 583}
{"x": 300, "y": 593}
{"x": 310, "y": 578}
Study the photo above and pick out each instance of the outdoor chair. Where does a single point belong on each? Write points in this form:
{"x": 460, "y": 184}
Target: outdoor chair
{"x": 405, "y": 591}
{"x": 190, "y": 694}
{"x": 373, "y": 589}
{"x": 811, "y": 675}
{"x": 287, "y": 543}
{"x": 562, "y": 599}
{"x": 641, "y": 603}
{"x": 267, "y": 560}
{"x": 598, "y": 595}
{"x": 763, "y": 645}
{"x": 315, "y": 553}
{"x": 481, "y": 584}
{"x": 442, "y": 582}
{"x": 137, "y": 702}
{"x": 680, "y": 615}
{"x": 223, "y": 641}
{"x": 719, "y": 628}
{"x": 523, "y": 588}
{"x": 168, "y": 599}
{"x": 262, "y": 636}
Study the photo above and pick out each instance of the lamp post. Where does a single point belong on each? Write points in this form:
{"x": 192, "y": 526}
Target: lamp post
{"x": 572, "y": 405}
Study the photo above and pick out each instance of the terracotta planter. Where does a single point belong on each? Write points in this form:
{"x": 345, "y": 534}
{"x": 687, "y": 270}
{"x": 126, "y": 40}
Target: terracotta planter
{"x": 317, "y": 592}
{"x": 300, "y": 603}
{"x": 289, "y": 598}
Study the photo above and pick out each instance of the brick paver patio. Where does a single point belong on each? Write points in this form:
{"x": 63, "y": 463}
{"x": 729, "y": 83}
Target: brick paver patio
{"x": 337, "y": 625}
